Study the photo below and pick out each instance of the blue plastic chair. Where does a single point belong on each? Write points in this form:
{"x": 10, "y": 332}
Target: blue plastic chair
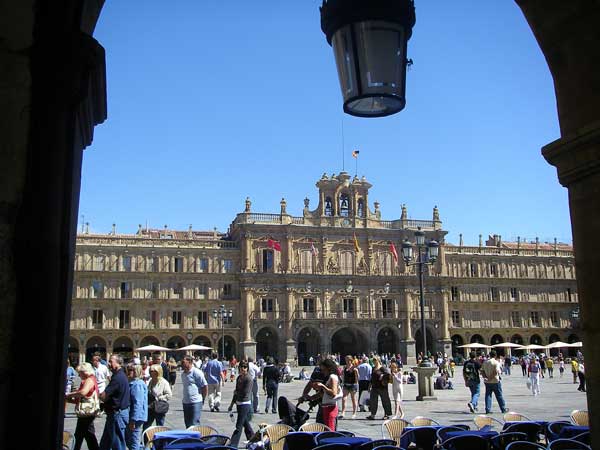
{"x": 376, "y": 443}
{"x": 215, "y": 439}
{"x": 327, "y": 434}
{"x": 568, "y": 444}
{"x": 553, "y": 429}
{"x": 300, "y": 441}
{"x": 388, "y": 447}
{"x": 425, "y": 438}
{"x": 525, "y": 445}
{"x": 501, "y": 441}
{"x": 441, "y": 432}
{"x": 466, "y": 442}
{"x": 583, "y": 437}
{"x": 333, "y": 447}
{"x": 531, "y": 429}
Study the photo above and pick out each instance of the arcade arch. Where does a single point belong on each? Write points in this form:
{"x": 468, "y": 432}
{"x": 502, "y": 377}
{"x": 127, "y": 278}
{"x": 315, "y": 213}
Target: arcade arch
{"x": 309, "y": 344}
{"x": 349, "y": 341}
{"x": 267, "y": 343}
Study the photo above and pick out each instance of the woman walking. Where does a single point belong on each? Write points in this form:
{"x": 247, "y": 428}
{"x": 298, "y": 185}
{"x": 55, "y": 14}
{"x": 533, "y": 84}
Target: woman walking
{"x": 138, "y": 406}
{"x": 534, "y": 376}
{"x": 350, "y": 377}
{"x": 271, "y": 384}
{"x": 85, "y": 425}
{"x": 397, "y": 390}
{"x": 242, "y": 397}
{"x": 172, "y": 371}
{"x": 331, "y": 390}
{"x": 380, "y": 378}
{"x": 158, "y": 389}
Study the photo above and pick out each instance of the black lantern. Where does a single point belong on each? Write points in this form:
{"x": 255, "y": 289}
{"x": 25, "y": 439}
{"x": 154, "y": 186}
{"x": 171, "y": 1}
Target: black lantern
{"x": 369, "y": 40}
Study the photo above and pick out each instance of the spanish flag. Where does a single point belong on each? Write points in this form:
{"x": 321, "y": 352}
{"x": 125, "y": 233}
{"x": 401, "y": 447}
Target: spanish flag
{"x": 356, "y": 247}
{"x": 355, "y": 153}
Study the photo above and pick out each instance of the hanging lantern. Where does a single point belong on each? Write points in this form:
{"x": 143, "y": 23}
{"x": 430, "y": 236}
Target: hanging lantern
{"x": 369, "y": 40}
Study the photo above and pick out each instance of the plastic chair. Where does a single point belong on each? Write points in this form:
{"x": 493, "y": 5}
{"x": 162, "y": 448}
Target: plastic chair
{"x": 425, "y": 438}
{"x": 314, "y": 427}
{"x": 300, "y": 440}
{"x": 531, "y": 429}
{"x": 327, "y": 434}
{"x": 441, "y": 432}
{"x": 388, "y": 447}
{"x": 67, "y": 441}
{"x": 513, "y": 416}
{"x": 394, "y": 429}
{"x": 186, "y": 440}
{"x": 215, "y": 439}
{"x": 467, "y": 442}
{"x": 149, "y": 433}
{"x": 421, "y": 421}
{"x": 580, "y": 417}
{"x": 553, "y": 429}
{"x": 583, "y": 437}
{"x": 333, "y": 447}
{"x": 276, "y": 433}
{"x": 524, "y": 445}
{"x": 346, "y": 433}
{"x": 204, "y": 430}
{"x": 501, "y": 441}
{"x": 568, "y": 444}
{"x": 376, "y": 443}
{"x": 482, "y": 421}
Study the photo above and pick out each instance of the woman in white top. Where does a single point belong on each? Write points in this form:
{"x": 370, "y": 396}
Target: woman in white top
{"x": 397, "y": 389}
{"x": 158, "y": 389}
{"x": 331, "y": 392}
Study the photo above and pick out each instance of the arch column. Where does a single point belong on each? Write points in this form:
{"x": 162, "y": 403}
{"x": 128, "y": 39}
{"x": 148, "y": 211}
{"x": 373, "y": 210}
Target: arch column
{"x": 290, "y": 343}
{"x": 407, "y": 344}
{"x": 248, "y": 345}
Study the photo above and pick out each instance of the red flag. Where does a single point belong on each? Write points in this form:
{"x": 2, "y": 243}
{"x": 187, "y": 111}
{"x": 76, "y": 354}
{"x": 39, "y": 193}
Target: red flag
{"x": 274, "y": 245}
{"x": 394, "y": 252}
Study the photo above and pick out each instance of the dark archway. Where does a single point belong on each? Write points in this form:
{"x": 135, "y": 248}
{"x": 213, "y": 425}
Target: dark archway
{"x": 497, "y": 339}
{"x": 477, "y": 338}
{"x": 517, "y": 339}
{"x": 174, "y": 343}
{"x": 572, "y": 351}
{"x": 535, "y": 339}
{"x": 309, "y": 344}
{"x": 202, "y": 340}
{"x": 229, "y": 347}
{"x": 554, "y": 338}
{"x": 387, "y": 341}
{"x": 73, "y": 351}
{"x": 419, "y": 342}
{"x": 267, "y": 343}
{"x": 349, "y": 341}
{"x": 124, "y": 347}
{"x": 149, "y": 340}
{"x": 95, "y": 344}
{"x": 457, "y": 341}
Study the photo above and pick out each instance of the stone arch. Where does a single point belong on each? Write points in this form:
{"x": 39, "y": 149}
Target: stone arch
{"x": 230, "y": 346}
{"x": 349, "y": 341}
{"x": 477, "y": 338}
{"x": 309, "y": 344}
{"x": 149, "y": 340}
{"x": 457, "y": 341}
{"x": 267, "y": 343}
{"x": 93, "y": 345}
{"x": 418, "y": 336}
{"x": 572, "y": 351}
{"x": 536, "y": 339}
{"x": 551, "y": 339}
{"x": 387, "y": 341}
{"x": 517, "y": 339}
{"x": 498, "y": 339}
{"x": 123, "y": 345}
{"x": 202, "y": 340}
{"x": 173, "y": 343}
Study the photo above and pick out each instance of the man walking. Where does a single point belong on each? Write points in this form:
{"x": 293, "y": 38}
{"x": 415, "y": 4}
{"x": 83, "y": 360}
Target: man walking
{"x": 214, "y": 377}
{"x": 254, "y": 372}
{"x": 364, "y": 379}
{"x": 116, "y": 406}
{"x": 491, "y": 371}
{"x": 195, "y": 389}
{"x": 101, "y": 372}
{"x": 471, "y": 371}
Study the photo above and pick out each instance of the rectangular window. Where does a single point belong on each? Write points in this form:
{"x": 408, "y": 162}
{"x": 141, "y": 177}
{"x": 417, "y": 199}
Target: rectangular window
{"x": 178, "y": 290}
{"x": 515, "y": 318}
{"x": 456, "y": 318}
{"x": 554, "y": 319}
{"x": 124, "y": 318}
{"x": 306, "y": 264}
{"x": 227, "y": 266}
{"x": 267, "y": 260}
{"x": 514, "y": 294}
{"x": 203, "y": 318}
{"x": 349, "y": 305}
{"x": 176, "y": 317}
{"x": 126, "y": 263}
{"x": 494, "y": 270}
{"x": 535, "y": 319}
{"x": 97, "y": 318}
{"x": 99, "y": 263}
{"x": 454, "y": 293}
{"x": 387, "y": 307}
{"x": 266, "y": 305}
{"x": 308, "y": 305}
{"x": 473, "y": 269}
{"x": 152, "y": 264}
{"x": 569, "y": 297}
{"x": 202, "y": 290}
{"x": 154, "y": 291}
{"x": 97, "y": 289}
{"x": 494, "y": 294}
{"x": 203, "y": 265}
{"x": 227, "y": 290}
{"x": 125, "y": 289}
{"x": 152, "y": 317}
{"x": 178, "y": 264}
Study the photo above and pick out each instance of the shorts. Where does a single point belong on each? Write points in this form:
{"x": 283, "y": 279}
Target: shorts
{"x": 351, "y": 387}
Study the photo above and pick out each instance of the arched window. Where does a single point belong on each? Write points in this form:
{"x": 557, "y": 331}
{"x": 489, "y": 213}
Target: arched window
{"x": 344, "y": 205}
{"x": 360, "y": 211}
{"x": 328, "y": 207}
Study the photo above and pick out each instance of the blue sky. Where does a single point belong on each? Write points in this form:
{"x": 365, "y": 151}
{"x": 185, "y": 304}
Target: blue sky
{"x": 210, "y": 102}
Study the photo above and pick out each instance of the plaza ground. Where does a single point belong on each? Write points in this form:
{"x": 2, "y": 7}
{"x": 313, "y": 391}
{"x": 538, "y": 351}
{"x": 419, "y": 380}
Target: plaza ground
{"x": 558, "y": 398}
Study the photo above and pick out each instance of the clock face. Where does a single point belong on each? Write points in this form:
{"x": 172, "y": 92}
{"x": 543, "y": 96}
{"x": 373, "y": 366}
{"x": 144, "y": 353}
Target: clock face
{"x": 346, "y": 222}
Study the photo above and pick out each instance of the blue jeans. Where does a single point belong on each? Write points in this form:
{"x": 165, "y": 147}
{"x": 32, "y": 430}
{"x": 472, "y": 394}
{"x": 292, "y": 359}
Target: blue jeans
{"x": 474, "y": 387}
{"x": 495, "y": 388}
{"x": 191, "y": 413}
{"x": 242, "y": 423}
{"x": 113, "y": 437}
{"x": 134, "y": 437}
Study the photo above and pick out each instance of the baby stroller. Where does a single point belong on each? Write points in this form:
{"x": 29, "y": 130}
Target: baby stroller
{"x": 290, "y": 414}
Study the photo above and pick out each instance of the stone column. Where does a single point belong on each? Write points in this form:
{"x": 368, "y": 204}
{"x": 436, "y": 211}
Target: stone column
{"x": 445, "y": 344}
{"x": 408, "y": 342}
{"x": 290, "y": 343}
{"x": 248, "y": 345}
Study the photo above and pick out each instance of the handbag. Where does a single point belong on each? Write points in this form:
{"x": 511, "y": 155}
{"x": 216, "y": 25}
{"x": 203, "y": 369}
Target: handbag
{"x": 88, "y": 406}
{"x": 159, "y": 406}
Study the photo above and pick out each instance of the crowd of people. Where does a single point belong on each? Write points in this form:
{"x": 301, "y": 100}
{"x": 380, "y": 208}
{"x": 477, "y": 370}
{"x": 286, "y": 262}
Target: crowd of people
{"x": 135, "y": 396}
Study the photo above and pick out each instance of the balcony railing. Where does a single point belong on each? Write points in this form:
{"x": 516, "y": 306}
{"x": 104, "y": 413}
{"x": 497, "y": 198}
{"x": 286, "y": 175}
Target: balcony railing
{"x": 341, "y": 314}
{"x": 485, "y": 250}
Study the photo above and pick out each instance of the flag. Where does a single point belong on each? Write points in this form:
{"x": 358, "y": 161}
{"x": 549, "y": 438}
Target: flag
{"x": 355, "y": 153}
{"x": 274, "y": 245}
{"x": 356, "y": 247}
{"x": 394, "y": 252}
{"x": 313, "y": 249}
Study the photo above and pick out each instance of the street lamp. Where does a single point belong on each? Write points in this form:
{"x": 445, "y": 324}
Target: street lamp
{"x": 222, "y": 314}
{"x": 427, "y": 257}
{"x": 369, "y": 40}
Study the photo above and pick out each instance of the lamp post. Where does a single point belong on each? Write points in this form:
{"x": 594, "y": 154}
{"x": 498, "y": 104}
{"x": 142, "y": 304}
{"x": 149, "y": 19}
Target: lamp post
{"x": 427, "y": 254}
{"x": 369, "y": 40}
{"x": 222, "y": 314}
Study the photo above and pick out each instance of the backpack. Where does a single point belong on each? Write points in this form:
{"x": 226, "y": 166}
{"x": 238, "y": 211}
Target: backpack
{"x": 470, "y": 371}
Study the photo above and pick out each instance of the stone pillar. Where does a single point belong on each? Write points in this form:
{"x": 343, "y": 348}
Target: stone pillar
{"x": 408, "y": 342}
{"x": 290, "y": 343}
{"x": 425, "y": 382}
{"x": 248, "y": 345}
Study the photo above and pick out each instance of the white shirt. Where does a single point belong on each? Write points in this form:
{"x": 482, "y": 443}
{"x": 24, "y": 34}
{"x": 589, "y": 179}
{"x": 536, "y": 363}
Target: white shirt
{"x": 253, "y": 370}
{"x": 102, "y": 374}
{"x": 328, "y": 399}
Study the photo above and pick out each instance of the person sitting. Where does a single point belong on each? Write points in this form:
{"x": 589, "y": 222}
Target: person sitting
{"x": 442, "y": 382}
{"x": 412, "y": 379}
{"x": 303, "y": 375}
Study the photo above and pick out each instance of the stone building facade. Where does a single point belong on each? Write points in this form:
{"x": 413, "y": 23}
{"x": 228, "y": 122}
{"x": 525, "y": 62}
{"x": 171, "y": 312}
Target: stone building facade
{"x": 323, "y": 282}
